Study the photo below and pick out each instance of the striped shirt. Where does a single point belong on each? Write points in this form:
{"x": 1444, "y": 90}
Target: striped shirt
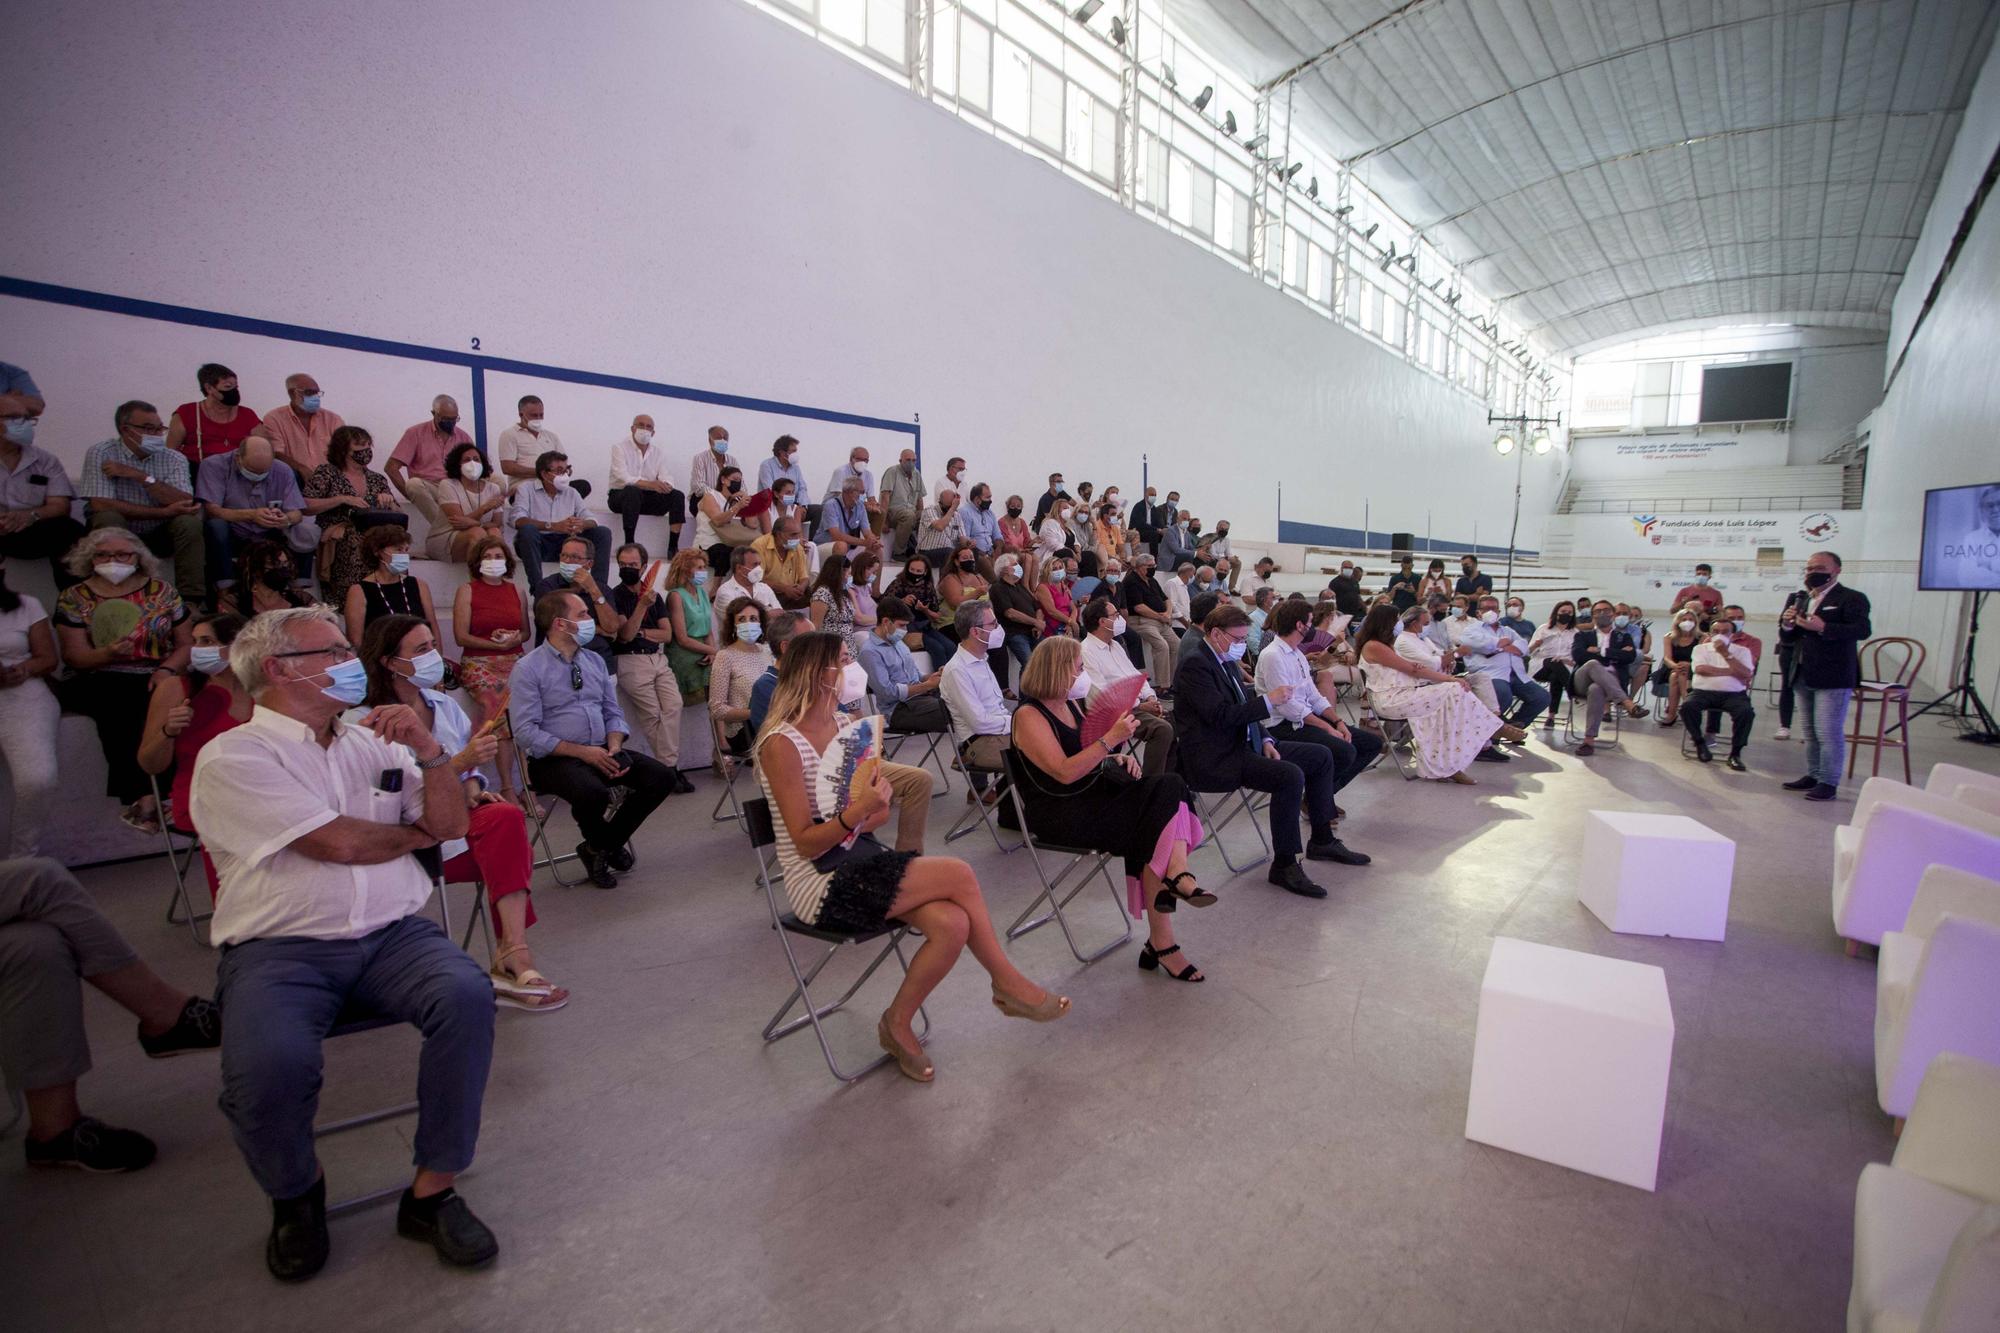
{"x": 826, "y": 777}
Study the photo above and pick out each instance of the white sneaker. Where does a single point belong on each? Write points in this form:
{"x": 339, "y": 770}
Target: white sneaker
{"x": 1783, "y": 733}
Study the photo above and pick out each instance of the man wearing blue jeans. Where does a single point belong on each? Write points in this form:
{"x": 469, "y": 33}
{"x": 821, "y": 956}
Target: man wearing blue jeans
{"x": 1825, "y": 625}
{"x": 313, "y": 824}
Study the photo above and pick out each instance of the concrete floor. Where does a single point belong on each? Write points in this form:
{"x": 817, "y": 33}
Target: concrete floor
{"x": 1280, "y": 1148}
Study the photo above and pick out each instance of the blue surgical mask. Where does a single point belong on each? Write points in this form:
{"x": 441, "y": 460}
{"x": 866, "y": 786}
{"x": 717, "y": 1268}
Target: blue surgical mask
{"x": 248, "y": 475}
{"x": 347, "y": 682}
{"x": 152, "y": 444}
{"x": 399, "y": 563}
{"x": 567, "y": 570}
{"x": 309, "y": 404}
{"x": 701, "y": 578}
{"x": 585, "y": 631}
{"x": 21, "y": 430}
{"x": 206, "y": 658}
{"x": 427, "y": 669}
{"x": 749, "y": 631}
{"x": 1236, "y": 650}
{"x": 720, "y": 446}
{"x": 1620, "y": 622}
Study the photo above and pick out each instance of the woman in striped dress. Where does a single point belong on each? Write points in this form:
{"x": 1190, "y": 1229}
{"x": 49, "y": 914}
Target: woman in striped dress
{"x": 837, "y": 877}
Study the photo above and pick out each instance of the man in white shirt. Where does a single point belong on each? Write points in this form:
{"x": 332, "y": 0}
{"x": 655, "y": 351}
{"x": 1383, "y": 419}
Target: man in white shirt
{"x": 641, "y": 484}
{"x": 979, "y": 713}
{"x": 313, "y": 824}
{"x": 1176, "y": 588}
{"x": 1299, "y": 712}
{"x": 856, "y": 467}
{"x": 1424, "y": 647}
{"x": 1226, "y": 563}
{"x": 1105, "y": 663}
{"x": 1492, "y": 649}
{"x": 953, "y": 479}
{"x": 707, "y": 465}
{"x": 941, "y": 527}
{"x": 746, "y": 579}
{"x": 520, "y": 445}
{"x": 1261, "y": 578}
{"x": 1723, "y": 671}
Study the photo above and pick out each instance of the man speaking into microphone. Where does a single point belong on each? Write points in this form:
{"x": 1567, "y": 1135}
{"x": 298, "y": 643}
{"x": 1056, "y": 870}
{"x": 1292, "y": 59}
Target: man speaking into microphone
{"x": 1824, "y": 624}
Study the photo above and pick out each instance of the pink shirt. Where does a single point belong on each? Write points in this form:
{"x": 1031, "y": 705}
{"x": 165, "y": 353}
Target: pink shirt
{"x": 422, "y": 449}
{"x": 303, "y": 437}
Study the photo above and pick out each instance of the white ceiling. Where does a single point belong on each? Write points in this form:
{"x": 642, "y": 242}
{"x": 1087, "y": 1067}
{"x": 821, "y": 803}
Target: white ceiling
{"x": 1603, "y": 167}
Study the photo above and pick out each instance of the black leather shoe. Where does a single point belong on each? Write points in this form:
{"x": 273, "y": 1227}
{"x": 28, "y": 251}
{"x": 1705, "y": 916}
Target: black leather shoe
{"x": 1703, "y": 753}
{"x": 1825, "y": 791}
{"x": 459, "y": 1238}
{"x": 1336, "y": 850}
{"x": 92, "y": 1145}
{"x": 1734, "y": 765}
{"x": 1292, "y": 878}
{"x": 299, "y": 1244}
{"x": 1802, "y": 784}
{"x": 678, "y": 785}
{"x": 623, "y": 859}
{"x": 596, "y": 866}
{"x": 199, "y": 1028}
{"x": 1491, "y": 756}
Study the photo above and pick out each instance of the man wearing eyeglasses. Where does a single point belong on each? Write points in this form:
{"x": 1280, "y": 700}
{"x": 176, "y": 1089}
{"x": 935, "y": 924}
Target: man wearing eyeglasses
{"x": 563, "y": 705}
{"x": 314, "y": 823}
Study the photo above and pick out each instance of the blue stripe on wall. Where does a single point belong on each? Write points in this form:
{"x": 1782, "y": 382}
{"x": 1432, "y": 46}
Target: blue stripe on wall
{"x": 1323, "y": 534}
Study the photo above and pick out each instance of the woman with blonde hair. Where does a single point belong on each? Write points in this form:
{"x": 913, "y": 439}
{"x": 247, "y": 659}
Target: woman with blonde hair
{"x": 824, "y": 776}
{"x": 693, "y": 617}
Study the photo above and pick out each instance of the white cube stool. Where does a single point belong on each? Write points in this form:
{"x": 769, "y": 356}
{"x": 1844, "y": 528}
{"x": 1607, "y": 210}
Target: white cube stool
{"x": 1570, "y": 1061}
{"x": 1656, "y": 874}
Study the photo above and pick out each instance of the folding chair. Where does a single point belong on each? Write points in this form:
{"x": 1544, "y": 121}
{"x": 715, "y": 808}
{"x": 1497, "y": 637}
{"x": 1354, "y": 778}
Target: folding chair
{"x": 977, "y": 808}
{"x": 731, "y": 765}
{"x": 1092, "y": 862}
{"x": 539, "y": 839}
{"x": 1236, "y": 802}
{"x": 757, "y": 822}
{"x": 182, "y": 858}
{"x": 893, "y": 740}
{"x": 1615, "y": 713}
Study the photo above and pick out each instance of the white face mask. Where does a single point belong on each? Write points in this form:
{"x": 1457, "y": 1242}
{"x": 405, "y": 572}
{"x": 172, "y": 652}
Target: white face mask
{"x": 115, "y": 571}
{"x": 1722, "y": 640}
{"x": 1489, "y": 617}
{"x": 853, "y": 682}
{"x": 494, "y": 568}
{"x": 1080, "y": 687}
{"x": 1514, "y": 611}
{"x": 536, "y": 425}
{"x": 1010, "y": 573}
{"x": 1117, "y": 626}
{"x": 996, "y": 636}
{"x": 471, "y": 470}
{"x": 1687, "y": 627}
{"x": 642, "y": 436}
{"x": 755, "y": 576}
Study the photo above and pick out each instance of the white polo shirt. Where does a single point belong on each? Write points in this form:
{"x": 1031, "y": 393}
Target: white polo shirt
{"x": 1708, "y": 655}
{"x": 1106, "y": 664}
{"x": 260, "y": 787}
{"x": 758, "y": 592}
{"x": 630, "y": 463}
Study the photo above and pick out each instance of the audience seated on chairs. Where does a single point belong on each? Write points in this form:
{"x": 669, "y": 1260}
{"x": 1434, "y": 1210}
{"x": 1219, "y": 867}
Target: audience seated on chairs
{"x": 1146, "y": 615}
{"x": 642, "y": 483}
{"x": 472, "y": 504}
{"x": 187, "y": 712}
{"x": 706, "y": 467}
{"x": 962, "y": 580}
{"x": 865, "y": 568}
{"x": 1449, "y": 727}
{"x": 388, "y": 588}
{"x": 266, "y": 581}
{"x": 574, "y": 559}
{"x": 29, "y": 714}
{"x": 519, "y": 445}
{"x": 1260, "y": 604}
{"x": 1047, "y": 499}
{"x": 1090, "y": 795}
{"x": 1699, "y": 590}
{"x": 838, "y": 877}
{"x": 1404, "y": 584}
{"x": 1597, "y": 652}
{"x": 1826, "y": 624}
{"x": 215, "y": 423}
{"x": 1492, "y": 649}
{"x": 982, "y": 526}
{"x": 719, "y": 524}
{"x": 972, "y": 692}
{"x": 1218, "y": 721}
{"x": 831, "y": 605}
{"x": 564, "y": 711}
{"x": 781, "y": 555}
{"x": 1105, "y": 663}
{"x": 779, "y": 630}
{"x": 123, "y": 631}
{"x": 903, "y": 498}
{"x": 1016, "y": 536}
{"x": 856, "y": 467}
{"x": 1723, "y": 671}
{"x": 489, "y": 621}
{"x": 909, "y": 699}
{"x": 746, "y": 579}
{"x": 743, "y": 658}
{"x": 301, "y": 430}
{"x": 1016, "y": 611}
{"x": 941, "y": 526}
{"x": 844, "y": 521}
{"x": 133, "y": 481}
{"x": 1177, "y": 542}
{"x": 52, "y": 936}
{"x": 1303, "y": 715}
{"x": 1148, "y": 520}
{"x": 1434, "y": 584}
{"x": 343, "y": 495}
{"x": 416, "y": 465}
{"x": 782, "y": 465}
{"x": 1178, "y": 587}
{"x": 246, "y": 496}
{"x": 784, "y": 500}
{"x": 1052, "y": 596}
{"x": 641, "y": 641}
{"x": 1671, "y": 678}
{"x": 1516, "y": 619}
{"x": 1735, "y": 624}
{"x": 1439, "y": 645}
{"x": 1549, "y": 654}
{"x": 319, "y": 918}
{"x": 1631, "y": 617}
{"x": 548, "y": 509}
{"x": 1471, "y": 582}
{"x": 916, "y": 587}
{"x": 405, "y": 667}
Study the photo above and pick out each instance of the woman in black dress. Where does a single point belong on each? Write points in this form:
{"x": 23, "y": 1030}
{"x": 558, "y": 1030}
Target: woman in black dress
{"x": 1086, "y": 796}
{"x": 388, "y": 588}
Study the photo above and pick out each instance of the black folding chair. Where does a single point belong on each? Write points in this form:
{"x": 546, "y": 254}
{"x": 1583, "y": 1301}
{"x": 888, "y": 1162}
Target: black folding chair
{"x": 1090, "y": 861}
{"x": 732, "y": 766}
{"x": 183, "y": 854}
{"x": 548, "y": 858}
{"x": 757, "y": 822}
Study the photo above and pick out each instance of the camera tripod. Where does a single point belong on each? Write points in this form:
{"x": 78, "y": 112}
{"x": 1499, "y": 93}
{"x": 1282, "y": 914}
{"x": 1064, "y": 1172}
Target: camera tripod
{"x": 1971, "y": 710}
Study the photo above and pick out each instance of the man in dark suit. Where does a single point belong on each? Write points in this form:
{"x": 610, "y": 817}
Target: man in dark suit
{"x": 1149, "y": 519}
{"x": 1217, "y": 720}
{"x": 1823, "y": 624}
{"x": 1603, "y": 657}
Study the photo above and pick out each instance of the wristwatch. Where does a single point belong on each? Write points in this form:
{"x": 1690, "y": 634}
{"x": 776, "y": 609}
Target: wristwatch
{"x": 443, "y": 757}
{"x": 152, "y": 481}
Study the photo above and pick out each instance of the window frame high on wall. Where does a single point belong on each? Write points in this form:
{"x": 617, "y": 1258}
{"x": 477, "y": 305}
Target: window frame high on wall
{"x": 1107, "y": 116}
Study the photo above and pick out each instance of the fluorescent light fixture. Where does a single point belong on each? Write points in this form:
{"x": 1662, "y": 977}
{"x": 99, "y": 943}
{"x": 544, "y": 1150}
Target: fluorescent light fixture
{"x": 1087, "y": 10}
{"x": 1201, "y": 98}
{"x": 1503, "y": 444}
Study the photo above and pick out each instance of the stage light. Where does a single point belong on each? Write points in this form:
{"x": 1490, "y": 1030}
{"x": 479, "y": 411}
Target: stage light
{"x": 1255, "y": 142}
{"x": 1117, "y": 31}
{"x": 1503, "y": 444}
{"x": 1294, "y": 169}
{"x": 1229, "y": 123}
{"x": 1343, "y": 210}
{"x": 1167, "y": 76}
{"x": 1312, "y": 189}
{"x": 1541, "y": 443}
{"x": 1389, "y": 258}
{"x": 1087, "y": 10}
{"x": 1201, "y": 98}
{"x": 1369, "y": 235}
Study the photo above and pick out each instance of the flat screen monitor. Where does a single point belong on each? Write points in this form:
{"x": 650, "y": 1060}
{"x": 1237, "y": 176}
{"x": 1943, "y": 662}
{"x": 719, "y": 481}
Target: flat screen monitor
{"x": 1961, "y": 550}
{"x": 1757, "y": 391}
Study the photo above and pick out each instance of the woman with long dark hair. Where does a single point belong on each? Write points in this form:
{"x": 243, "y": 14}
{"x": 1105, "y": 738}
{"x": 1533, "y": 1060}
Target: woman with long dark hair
{"x": 1449, "y": 724}
{"x": 810, "y": 762}
{"x": 189, "y": 711}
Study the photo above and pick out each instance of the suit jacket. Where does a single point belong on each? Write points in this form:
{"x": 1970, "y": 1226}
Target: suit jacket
{"x": 1619, "y": 654}
{"x": 1148, "y": 518}
{"x": 1830, "y": 659}
{"x": 1213, "y": 712}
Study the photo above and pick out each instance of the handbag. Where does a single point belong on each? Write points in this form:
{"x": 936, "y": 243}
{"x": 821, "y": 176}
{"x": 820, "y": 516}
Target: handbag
{"x": 838, "y": 855}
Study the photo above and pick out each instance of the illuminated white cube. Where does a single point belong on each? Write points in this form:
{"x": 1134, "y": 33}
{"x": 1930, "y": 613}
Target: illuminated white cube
{"x": 1648, "y": 874}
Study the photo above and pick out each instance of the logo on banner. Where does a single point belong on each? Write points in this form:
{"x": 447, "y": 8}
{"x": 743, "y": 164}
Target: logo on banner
{"x": 1819, "y": 527}
{"x": 1645, "y": 524}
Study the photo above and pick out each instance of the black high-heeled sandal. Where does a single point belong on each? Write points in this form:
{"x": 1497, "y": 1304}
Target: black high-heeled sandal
{"x": 1166, "y": 899}
{"x": 1151, "y": 959}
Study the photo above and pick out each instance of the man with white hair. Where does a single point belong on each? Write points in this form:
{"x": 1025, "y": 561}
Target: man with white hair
{"x": 416, "y": 466}
{"x": 640, "y": 484}
{"x": 705, "y": 468}
{"x": 844, "y": 522}
{"x": 902, "y": 502}
{"x": 300, "y": 430}
{"x": 314, "y": 822}
{"x": 1978, "y": 551}
{"x": 941, "y": 528}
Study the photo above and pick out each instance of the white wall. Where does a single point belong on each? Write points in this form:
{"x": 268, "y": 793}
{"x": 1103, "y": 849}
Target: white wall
{"x": 689, "y": 192}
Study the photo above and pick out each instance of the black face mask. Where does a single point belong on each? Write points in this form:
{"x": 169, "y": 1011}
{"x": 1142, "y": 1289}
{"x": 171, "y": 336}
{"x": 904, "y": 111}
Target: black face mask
{"x": 363, "y": 456}
{"x": 982, "y": 504}
{"x": 1565, "y": 618}
{"x": 1013, "y": 511}
{"x": 734, "y": 486}
{"x": 277, "y": 580}
{"x": 231, "y": 397}
{"x": 917, "y": 575}
{"x": 1818, "y": 578}
{"x": 628, "y": 576}
{"x": 446, "y": 425}
{"x": 968, "y": 565}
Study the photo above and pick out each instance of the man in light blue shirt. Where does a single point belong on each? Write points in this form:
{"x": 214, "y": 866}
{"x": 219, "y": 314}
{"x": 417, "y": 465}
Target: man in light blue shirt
{"x": 783, "y": 462}
{"x": 563, "y": 710}
{"x": 1492, "y": 650}
{"x": 247, "y": 496}
{"x": 908, "y": 698}
{"x": 982, "y": 525}
{"x": 546, "y": 510}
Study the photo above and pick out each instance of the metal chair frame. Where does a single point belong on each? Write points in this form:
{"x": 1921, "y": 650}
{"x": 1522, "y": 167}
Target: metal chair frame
{"x": 1092, "y": 862}
{"x": 1237, "y": 803}
{"x": 549, "y": 858}
{"x": 182, "y": 858}
{"x": 1398, "y": 737}
{"x": 978, "y": 807}
{"x": 757, "y": 821}
{"x": 735, "y": 764}
{"x": 1884, "y": 692}
{"x": 1616, "y": 714}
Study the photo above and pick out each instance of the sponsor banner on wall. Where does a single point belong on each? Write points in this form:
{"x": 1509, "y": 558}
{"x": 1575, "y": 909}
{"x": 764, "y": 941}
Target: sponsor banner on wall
{"x": 1691, "y": 537}
{"x": 1638, "y": 455}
